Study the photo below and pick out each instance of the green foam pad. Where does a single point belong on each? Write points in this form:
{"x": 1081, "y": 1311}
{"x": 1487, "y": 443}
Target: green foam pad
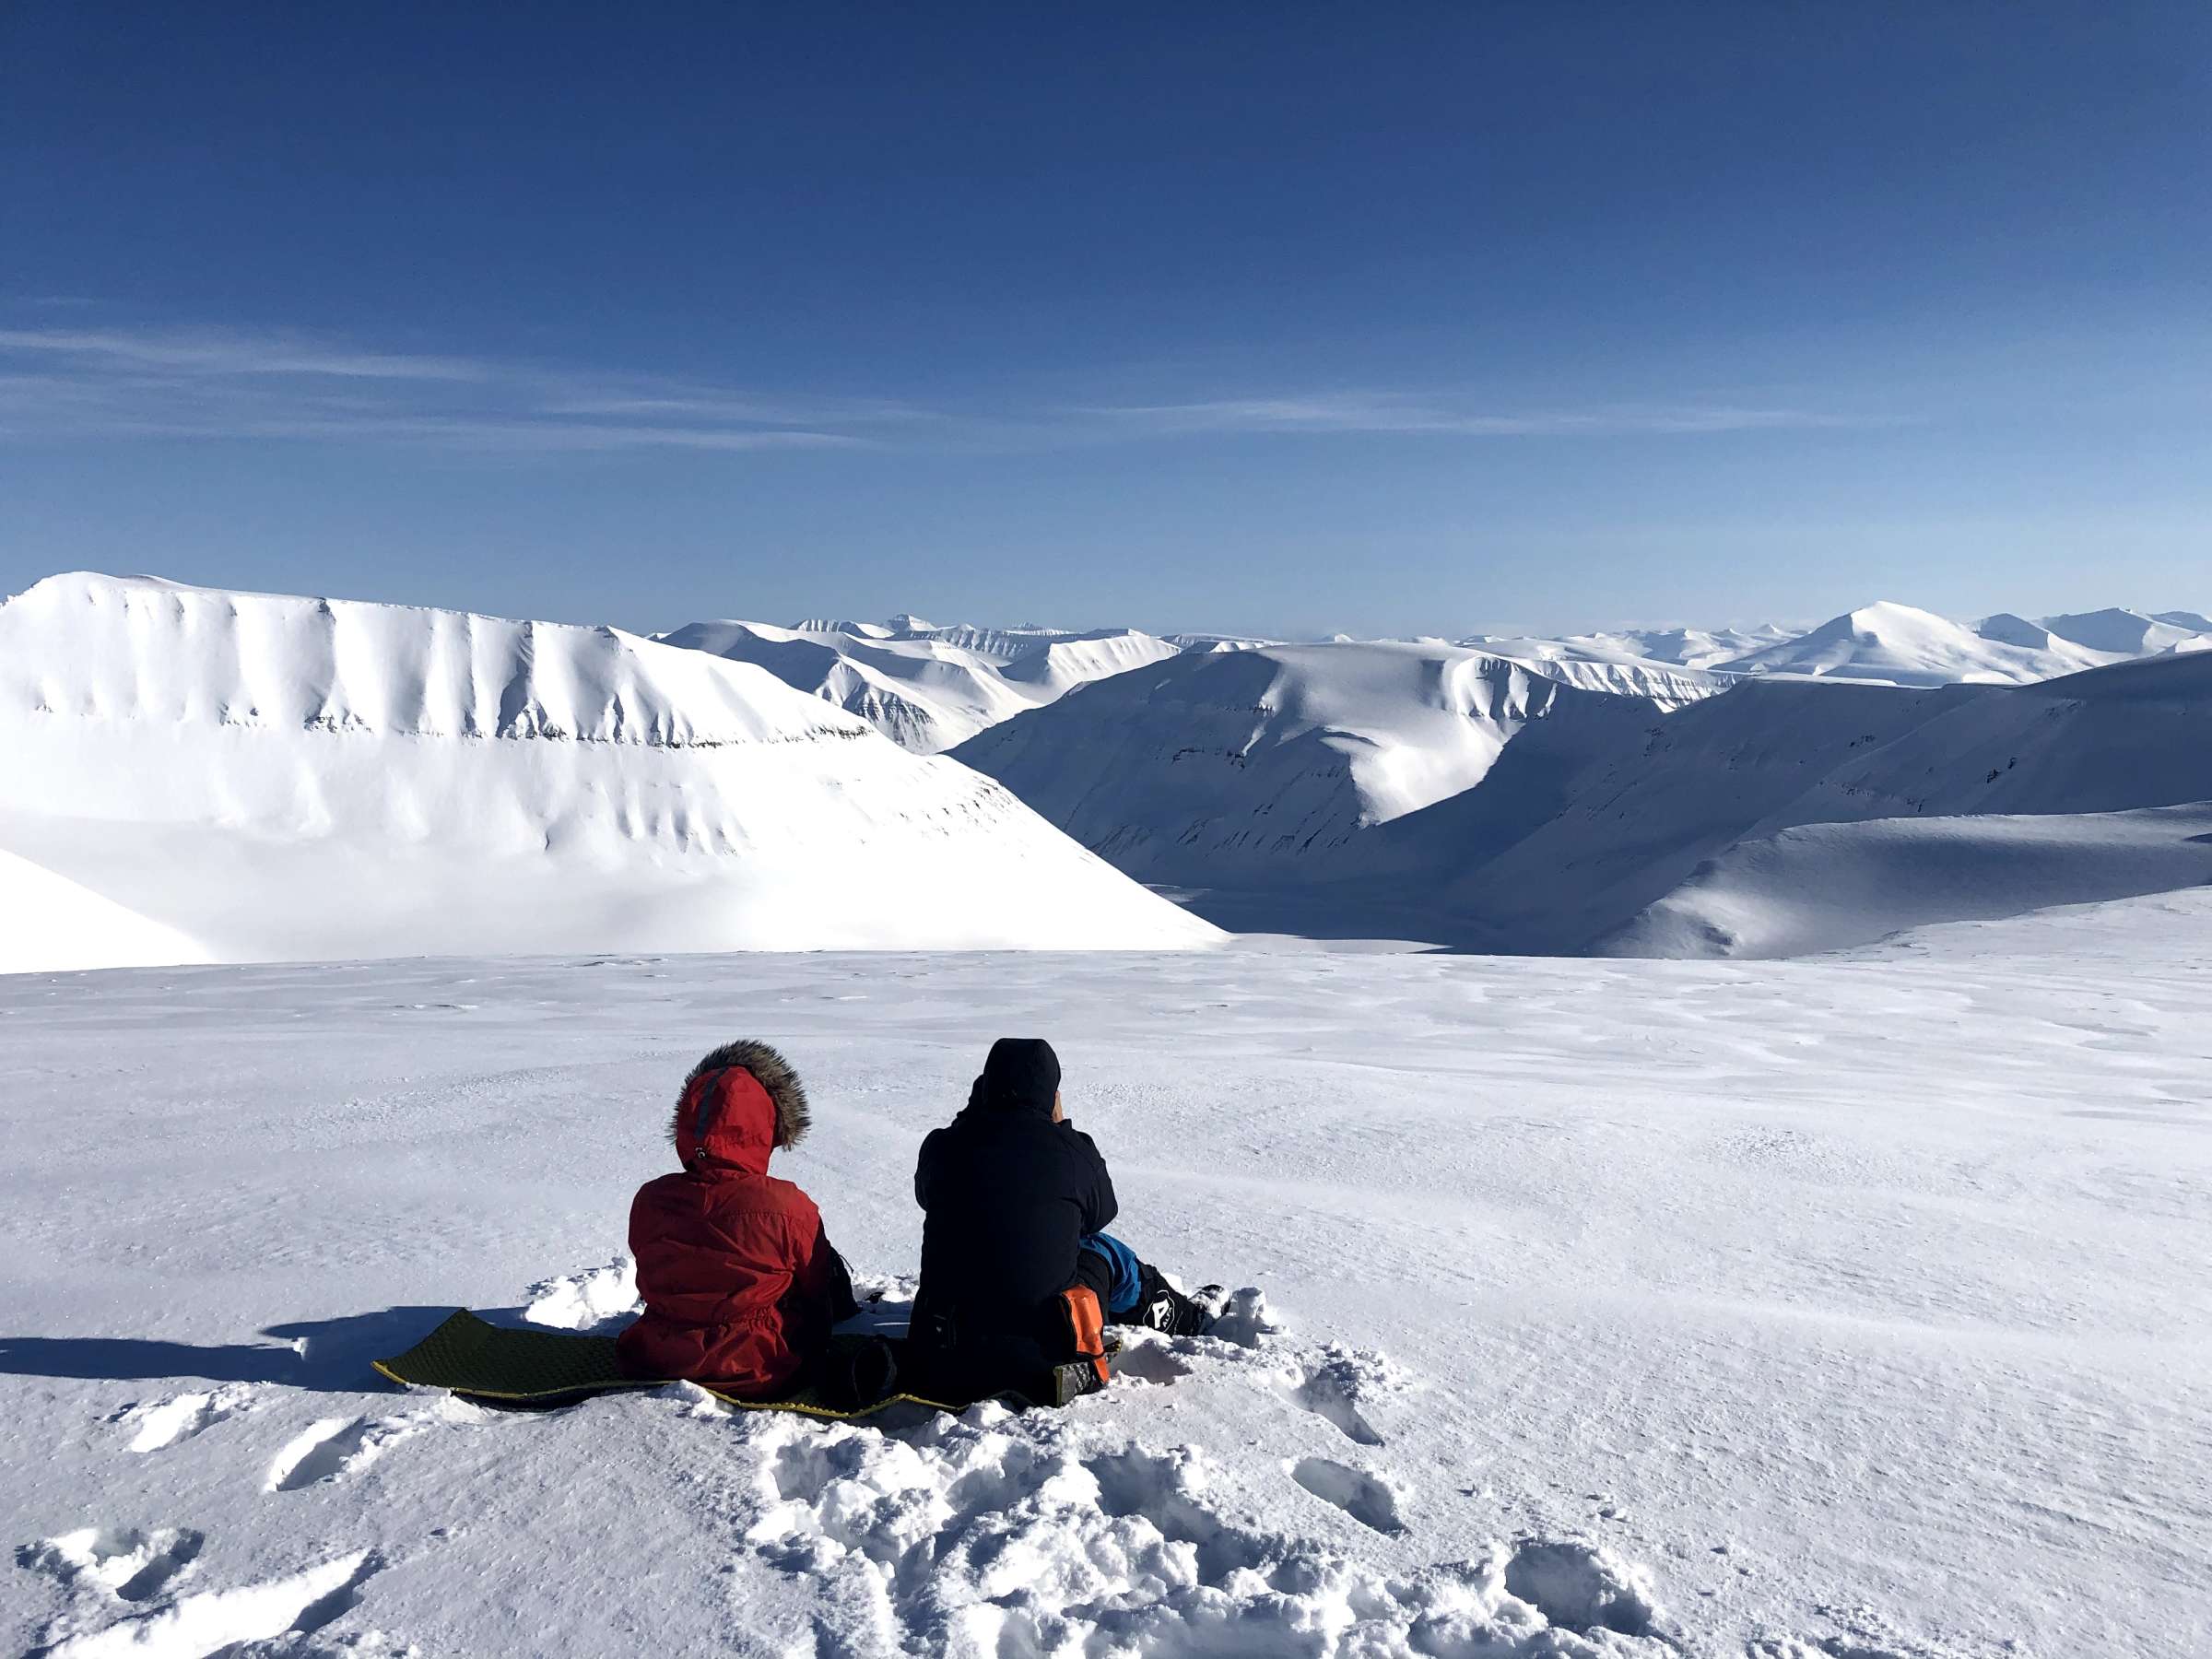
{"x": 524, "y": 1366}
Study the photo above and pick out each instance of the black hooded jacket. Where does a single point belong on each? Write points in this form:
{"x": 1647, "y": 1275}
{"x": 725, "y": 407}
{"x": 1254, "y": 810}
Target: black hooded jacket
{"x": 1007, "y": 1194}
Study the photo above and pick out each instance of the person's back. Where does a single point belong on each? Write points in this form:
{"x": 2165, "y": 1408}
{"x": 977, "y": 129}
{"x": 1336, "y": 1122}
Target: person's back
{"x": 1016, "y": 1201}
{"x": 739, "y": 1281}
{"x": 1008, "y": 1189}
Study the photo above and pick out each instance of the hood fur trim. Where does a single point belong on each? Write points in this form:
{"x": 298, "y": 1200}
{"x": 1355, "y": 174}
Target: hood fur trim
{"x": 774, "y": 1074}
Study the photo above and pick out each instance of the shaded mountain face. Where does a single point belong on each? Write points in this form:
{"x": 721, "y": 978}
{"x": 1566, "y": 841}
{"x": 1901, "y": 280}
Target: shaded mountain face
{"x": 1566, "y": 845}
{"x": 1261, "y": 765}
{"x": 265, "y": 777}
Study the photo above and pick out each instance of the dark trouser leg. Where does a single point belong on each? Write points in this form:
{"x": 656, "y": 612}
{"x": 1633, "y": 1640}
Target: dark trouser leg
{"x": 1095, "y": 1273}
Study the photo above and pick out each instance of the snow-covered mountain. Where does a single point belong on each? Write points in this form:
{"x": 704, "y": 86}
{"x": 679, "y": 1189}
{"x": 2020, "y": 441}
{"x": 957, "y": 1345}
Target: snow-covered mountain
{"x": 1897, "y": 645}
{"x": 201, "y": 774}
{"x": 266, "y": 777}
{"x": 2128, "y": 633}
{"x": 1694, "y": 648}
{"x": 1687, "y": 837}
{"x": 927, "y": 689}
{"x": 1227, "y": 768}
{"x": 1666, "y": 684}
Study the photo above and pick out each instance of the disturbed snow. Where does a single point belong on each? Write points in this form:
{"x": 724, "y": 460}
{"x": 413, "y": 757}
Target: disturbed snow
{"x": 1840, "y": 1307}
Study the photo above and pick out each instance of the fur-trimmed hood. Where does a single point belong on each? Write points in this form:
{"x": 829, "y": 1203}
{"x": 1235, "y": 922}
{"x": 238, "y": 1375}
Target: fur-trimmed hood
{"x": 739, "y": 1103}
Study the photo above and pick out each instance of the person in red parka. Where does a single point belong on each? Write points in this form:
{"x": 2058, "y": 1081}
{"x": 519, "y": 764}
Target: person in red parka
{"x": 738, "y": 1279}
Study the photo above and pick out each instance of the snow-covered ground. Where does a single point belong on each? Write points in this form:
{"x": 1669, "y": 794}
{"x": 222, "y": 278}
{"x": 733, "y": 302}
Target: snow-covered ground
{"x": 1852, "y": 1306}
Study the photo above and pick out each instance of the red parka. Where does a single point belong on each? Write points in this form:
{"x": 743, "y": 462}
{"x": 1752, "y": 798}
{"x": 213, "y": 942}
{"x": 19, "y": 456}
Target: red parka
{"x": 738, "y": 1279}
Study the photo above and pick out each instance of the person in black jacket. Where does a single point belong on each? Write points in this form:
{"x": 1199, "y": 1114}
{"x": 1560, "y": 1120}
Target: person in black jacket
{"x": 1016, "y": 1201}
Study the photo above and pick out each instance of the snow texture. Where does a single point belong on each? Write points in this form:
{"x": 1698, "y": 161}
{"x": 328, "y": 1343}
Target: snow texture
{"x": 1824, "y": 1310}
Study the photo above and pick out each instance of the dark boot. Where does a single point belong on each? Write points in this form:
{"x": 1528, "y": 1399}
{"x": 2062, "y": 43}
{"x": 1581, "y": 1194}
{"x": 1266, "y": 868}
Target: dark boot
{"x": 1071, "y": 1382}
{"x": 1161, "y": 1307}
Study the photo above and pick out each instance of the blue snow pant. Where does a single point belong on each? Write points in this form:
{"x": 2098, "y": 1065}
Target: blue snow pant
{"x": 1111, "y": 1267}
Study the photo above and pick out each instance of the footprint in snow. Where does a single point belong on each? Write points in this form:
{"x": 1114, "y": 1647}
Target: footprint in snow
{"x": 1360, "y": 1495}
{"x": 333, "y": 1447}
{"x": 218, "y": 1622}
{"x": 128, "y": 1564}
{"x": 165, "y": 1422}
{"x": 1331, "y": 1389}
{"x": 993, "y": 1534}
{"x": 1581, "y": 1587}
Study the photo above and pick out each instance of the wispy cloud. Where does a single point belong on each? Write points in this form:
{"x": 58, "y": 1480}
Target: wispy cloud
{"x": 124, "y": 382}
{"x": 118, "y": 383}
{"x": 231, "y": 353}
{"x": 1352, "y": 412}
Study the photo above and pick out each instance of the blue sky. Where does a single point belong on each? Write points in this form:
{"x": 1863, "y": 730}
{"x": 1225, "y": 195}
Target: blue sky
{"x": 1402, "y": 318}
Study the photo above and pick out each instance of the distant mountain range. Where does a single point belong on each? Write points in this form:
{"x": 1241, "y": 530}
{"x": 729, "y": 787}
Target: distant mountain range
{"x": 201, "y": 775}
{"x": 931, "y": 689}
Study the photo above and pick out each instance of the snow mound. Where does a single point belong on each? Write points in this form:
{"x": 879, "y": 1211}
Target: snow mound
{"x": 247, "y": 777}
{"x": 1897, "y": 645}
{"x": 1256, "y": 764}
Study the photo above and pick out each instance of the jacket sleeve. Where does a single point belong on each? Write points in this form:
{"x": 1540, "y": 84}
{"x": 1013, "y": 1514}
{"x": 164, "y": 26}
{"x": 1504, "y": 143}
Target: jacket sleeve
{"x": 924, "y": 1165}
{"x": 1094, "y": 1189}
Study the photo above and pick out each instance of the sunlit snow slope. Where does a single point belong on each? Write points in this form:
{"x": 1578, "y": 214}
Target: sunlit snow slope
{"x": 258, "y": 777}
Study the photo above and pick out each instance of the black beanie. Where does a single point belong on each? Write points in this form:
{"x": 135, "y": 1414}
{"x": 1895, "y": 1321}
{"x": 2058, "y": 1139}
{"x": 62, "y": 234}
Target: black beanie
{"x": 1023, "y": 1074}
